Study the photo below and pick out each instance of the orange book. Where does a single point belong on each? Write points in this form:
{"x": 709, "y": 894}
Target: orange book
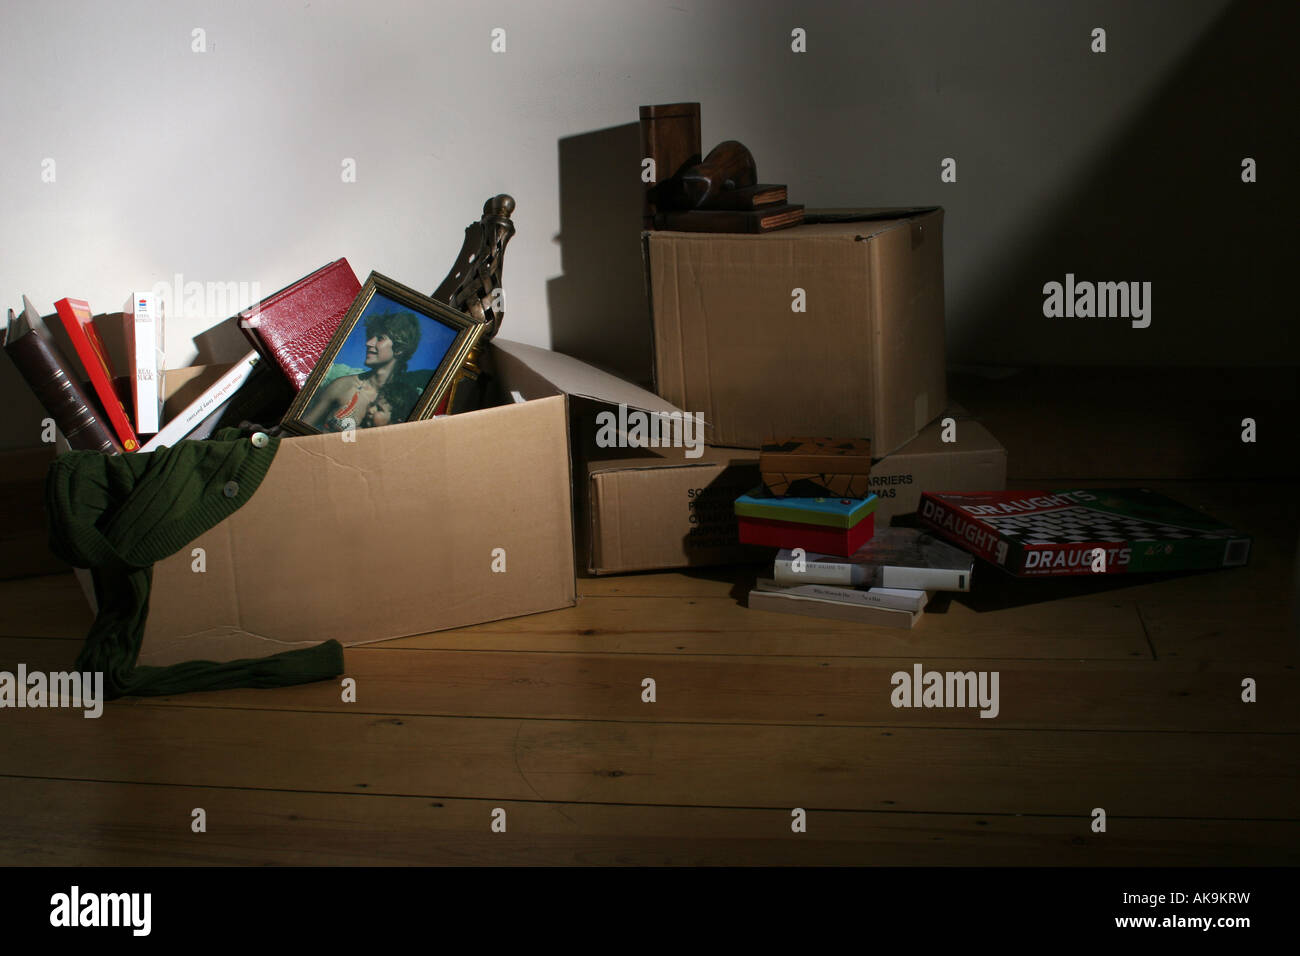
{"x": 76, "y": 318}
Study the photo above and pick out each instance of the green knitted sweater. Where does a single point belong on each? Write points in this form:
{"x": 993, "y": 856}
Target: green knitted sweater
{"x": 119, "y": 514}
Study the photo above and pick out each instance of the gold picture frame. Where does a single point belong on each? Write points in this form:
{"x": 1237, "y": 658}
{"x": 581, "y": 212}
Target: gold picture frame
{"x": 364, "y": 377}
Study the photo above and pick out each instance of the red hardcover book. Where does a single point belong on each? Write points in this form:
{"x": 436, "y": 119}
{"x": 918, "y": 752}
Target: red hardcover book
{"x": 76, "y": 318}
{"x": 818, "y": 539}
{"x": 293, "y": 327}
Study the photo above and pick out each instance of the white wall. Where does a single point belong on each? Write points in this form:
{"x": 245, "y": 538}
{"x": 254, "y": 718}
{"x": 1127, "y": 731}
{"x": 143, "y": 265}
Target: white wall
{"x": 224, "y": 166}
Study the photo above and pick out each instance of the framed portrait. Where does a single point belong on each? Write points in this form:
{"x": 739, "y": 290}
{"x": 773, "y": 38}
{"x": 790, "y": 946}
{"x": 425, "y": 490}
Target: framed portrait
{"x": 393, "y": 358}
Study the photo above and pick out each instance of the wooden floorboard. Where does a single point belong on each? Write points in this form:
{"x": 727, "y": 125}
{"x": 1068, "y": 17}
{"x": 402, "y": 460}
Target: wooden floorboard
{"x": 1079, "y": 695}
{"x": 750, "y": 765}
{"x": 1120, "y": 694}
{"x": 80, "y": 823}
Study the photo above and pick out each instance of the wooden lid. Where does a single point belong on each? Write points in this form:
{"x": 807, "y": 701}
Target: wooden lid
{"x": 665, "y": 110}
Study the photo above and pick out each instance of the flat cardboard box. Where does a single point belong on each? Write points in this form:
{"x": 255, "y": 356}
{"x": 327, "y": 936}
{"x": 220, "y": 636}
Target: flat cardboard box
{"x": 664, "y": 510}
{"x": 864, "y": 360}
{"x": 394, "y": 533}
{"x": 976, "y": 461}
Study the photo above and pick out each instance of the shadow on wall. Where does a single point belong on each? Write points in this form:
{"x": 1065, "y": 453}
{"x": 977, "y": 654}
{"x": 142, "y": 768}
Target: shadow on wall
{"x": 223, "y": 343}
{"x": 1167, "y": 205}
{"x": 598, "y": 307}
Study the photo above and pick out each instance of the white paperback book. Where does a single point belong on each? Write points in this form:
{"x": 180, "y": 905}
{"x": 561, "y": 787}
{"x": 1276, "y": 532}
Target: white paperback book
{"x": 903, "y": 599}
{"x": 145, "y": 327}
{"x": 205, "y": 406}
{"x": 894, "y": 558}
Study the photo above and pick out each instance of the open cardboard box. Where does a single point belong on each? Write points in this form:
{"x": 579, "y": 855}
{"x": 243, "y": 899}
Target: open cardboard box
{"x": 395, "y": 533}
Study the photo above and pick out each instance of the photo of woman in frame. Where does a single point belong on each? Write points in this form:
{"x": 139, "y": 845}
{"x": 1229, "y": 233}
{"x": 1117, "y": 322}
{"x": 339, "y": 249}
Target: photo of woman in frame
{"x": 392, "y": 352}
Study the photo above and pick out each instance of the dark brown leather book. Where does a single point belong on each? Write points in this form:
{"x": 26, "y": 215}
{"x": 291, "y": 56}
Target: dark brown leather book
{"x": 48, "y": 375}
{"x": 748, "y": 197}
{"x": 767, "y": 219}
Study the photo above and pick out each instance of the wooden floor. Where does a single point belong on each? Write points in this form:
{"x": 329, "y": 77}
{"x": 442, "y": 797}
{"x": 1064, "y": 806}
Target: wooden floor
{"x": 1125, "y": 698}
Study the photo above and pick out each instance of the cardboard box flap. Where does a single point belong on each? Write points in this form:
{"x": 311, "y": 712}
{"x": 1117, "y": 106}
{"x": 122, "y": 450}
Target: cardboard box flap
{"x": 570, "y": 376}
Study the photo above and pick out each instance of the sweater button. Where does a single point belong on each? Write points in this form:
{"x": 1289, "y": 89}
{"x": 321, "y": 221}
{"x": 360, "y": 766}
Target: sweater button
{"x": 259, "y": 439}
{"x": 231, "y": 489}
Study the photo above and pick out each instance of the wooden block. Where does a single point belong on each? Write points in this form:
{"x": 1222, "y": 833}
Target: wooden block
{"x": 670, "y": 135}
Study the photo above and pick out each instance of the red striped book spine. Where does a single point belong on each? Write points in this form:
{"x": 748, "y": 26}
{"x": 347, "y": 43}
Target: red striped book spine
{"x": 76, "y": 318}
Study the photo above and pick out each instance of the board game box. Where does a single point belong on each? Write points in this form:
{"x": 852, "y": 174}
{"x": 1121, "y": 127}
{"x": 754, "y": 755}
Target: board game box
{"x": 1047, "y": 533}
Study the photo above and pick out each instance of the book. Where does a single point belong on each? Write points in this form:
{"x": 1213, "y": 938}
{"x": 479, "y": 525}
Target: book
{"x": 767, "y": 219}
{"x": 748, "y": 197}
{"x": 53, "y": 380}
{"x": 903, "y": 599}
{"x": 830, "y": 525}
{"x": 829, "y": 511}
{"x": 293, "y": 327}
{"x": 786, "y": 603}
{"x": 206, "y": 406}
{"x": 895, "y": 558}
{"x": 1083, "y": 531}
{"x": 145, "y": 335}
{"x": 810, "y": 537}
{"x": 76, "y": 317}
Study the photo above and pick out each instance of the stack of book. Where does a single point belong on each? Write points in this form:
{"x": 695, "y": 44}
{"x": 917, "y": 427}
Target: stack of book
{"x": 815, "y": 496}
{"x": 887, "y": 582}
{"x": 828, "y": 525}
{"x": 98, "y": 407}
{"x": 816, "y": 506}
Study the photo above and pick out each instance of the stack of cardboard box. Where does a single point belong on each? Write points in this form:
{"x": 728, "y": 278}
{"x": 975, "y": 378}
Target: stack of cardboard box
{"x": 831, "y": 328}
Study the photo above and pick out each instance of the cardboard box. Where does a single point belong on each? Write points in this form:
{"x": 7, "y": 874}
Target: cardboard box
{"x": 24, "y": 529}
{"x": 864, "y": 360}
{"x": 976, "y": 461}
{"x": 655, "y": 511}
{"x": 394, "y": 533}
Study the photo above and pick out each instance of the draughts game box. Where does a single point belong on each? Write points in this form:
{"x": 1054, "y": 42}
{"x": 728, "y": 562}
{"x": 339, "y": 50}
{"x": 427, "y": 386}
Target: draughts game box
{"x": 1048, "y": 533}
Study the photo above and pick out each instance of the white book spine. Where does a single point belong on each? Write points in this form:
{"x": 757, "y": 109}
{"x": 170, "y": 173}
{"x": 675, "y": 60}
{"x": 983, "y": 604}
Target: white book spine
{"x": 819, "y": 572}
{"x": 898, "y": 598}
{"x": 925, "y": 579}
{"x": 206, "y": 404}
{"x": 146, "y": 321}
{"x": 856, "y": 575}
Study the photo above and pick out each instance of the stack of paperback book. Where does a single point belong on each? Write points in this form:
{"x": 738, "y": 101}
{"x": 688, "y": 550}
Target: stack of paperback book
{"x": 887, "y": 582}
